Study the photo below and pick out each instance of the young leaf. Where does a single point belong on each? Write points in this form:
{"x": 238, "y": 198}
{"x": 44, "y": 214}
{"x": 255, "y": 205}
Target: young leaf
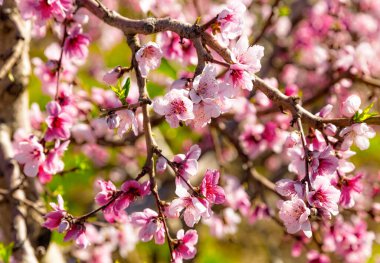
{"x": 364, "y": 115}
{"x": 126, "y": 89}
{"x": 5, "y": 252}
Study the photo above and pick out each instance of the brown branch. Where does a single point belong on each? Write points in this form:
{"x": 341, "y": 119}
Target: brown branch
{"x": 306, "y": 152}
{"x": 149, "y": 140}
{"x": 186, "y": 30}
{"x": 125, "y": 107}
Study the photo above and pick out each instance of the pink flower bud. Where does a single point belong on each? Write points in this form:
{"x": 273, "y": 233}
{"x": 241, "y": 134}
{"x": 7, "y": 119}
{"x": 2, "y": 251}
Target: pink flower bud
{"x": 161, "y": 165}
{"x": 113, "y": 121}
{"x": 325, "y": 111}
{"x": 291, "y": 90}
{"x": 112, "y": 76}
{"x": 350, "y": 106}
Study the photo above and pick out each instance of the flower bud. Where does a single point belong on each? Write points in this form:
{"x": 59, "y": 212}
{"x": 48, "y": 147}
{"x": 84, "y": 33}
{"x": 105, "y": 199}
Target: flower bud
{"x": 63, "y": 226}
{"x": 113, "y": 121}
{"x": 161, "y": 165}
{"x": 113, "y": 75}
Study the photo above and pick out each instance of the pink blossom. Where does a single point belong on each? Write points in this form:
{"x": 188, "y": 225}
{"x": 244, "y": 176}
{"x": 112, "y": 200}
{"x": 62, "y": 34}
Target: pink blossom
{"x": 236, "y": 197}
{"x": 323, "y": 163}
{"x": 35, "y": 116}
{"x": 248, "y": 56}
{"x": 185, "y": 245}
{"x": 127, "y": 121}
{"x": 289, "y": 188}
{"x": 294, "y": 213}
{"x": 82, "y": 132}
{"x": 204, "y": 111}
{"x": 324, "y": 196}
{"x": 352, "y": 241}
{"x": 187, "y": 164}
{"x": 53, "y": 163}
{"x": 77, "y": 232}
{"x": 47, "y": 71}
{"x": 223, "y": 225}
{"x": 193, "y": 208}
{"x": 251, "y": 140}
{"x": 315, "y": 257}
{"x": 238, "y": 78}
{"x": 41, "y": 10}
{"x": 76, "y": 44}
{"x": 96, "y": 153}
{"x": 53, "y": 219}
{"x": 210, "y": 188}
{"x": 175, "y": 106}
{"x": 360, "y": 133}
{"x": 131, "y": 191}
{"x": 31, "y": 154}
{"x": 349, "y": 187}
{"x": 175, "y": 48}
{"x": 148, "y": 58}
{"x": 44, "y": 176}
{"x": 205, "y": 85}
{"x": 261, "y": 211}
{"x": 150, "y": 225}
{"x": 58, "y": 122}
{"x": 230, "y": 20}
{"x": 297, "y": 161}
{"x": 350, "y": 106}
{"x": 108, "y": 190}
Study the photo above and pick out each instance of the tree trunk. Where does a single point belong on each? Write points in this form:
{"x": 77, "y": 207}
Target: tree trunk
{"x": 19, "y": 224}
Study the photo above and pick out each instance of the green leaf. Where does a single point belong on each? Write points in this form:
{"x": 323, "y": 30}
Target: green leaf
{"x": 122, "y": 92}
{"x": 126, "y": 88}
{"x": 5, "y": 252}
{"x": 365, "y": 114}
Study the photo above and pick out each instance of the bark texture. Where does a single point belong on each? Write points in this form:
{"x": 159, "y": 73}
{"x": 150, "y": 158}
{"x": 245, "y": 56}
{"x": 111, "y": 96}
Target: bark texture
{"x": 19, "y": 223}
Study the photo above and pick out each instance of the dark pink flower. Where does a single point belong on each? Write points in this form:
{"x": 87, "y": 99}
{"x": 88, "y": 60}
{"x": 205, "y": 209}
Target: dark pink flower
{"x": 175, "y": 48}
{"x": 185, "y": 245}
{"x": 107, "y": 191}
{"x": 41, "y": 10}
{"x": 76, "y": 44}
{"x": 53, "y": 163}
{"x": 131, "y": 191}
{"x": 77, "y": 232}
{"x": 324, "y": 163}
{"x": 58, "y": 121}
{"x": 53, "y": 219}
{"x": 350, "y": 187}
{"x": 210, "y": 188}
